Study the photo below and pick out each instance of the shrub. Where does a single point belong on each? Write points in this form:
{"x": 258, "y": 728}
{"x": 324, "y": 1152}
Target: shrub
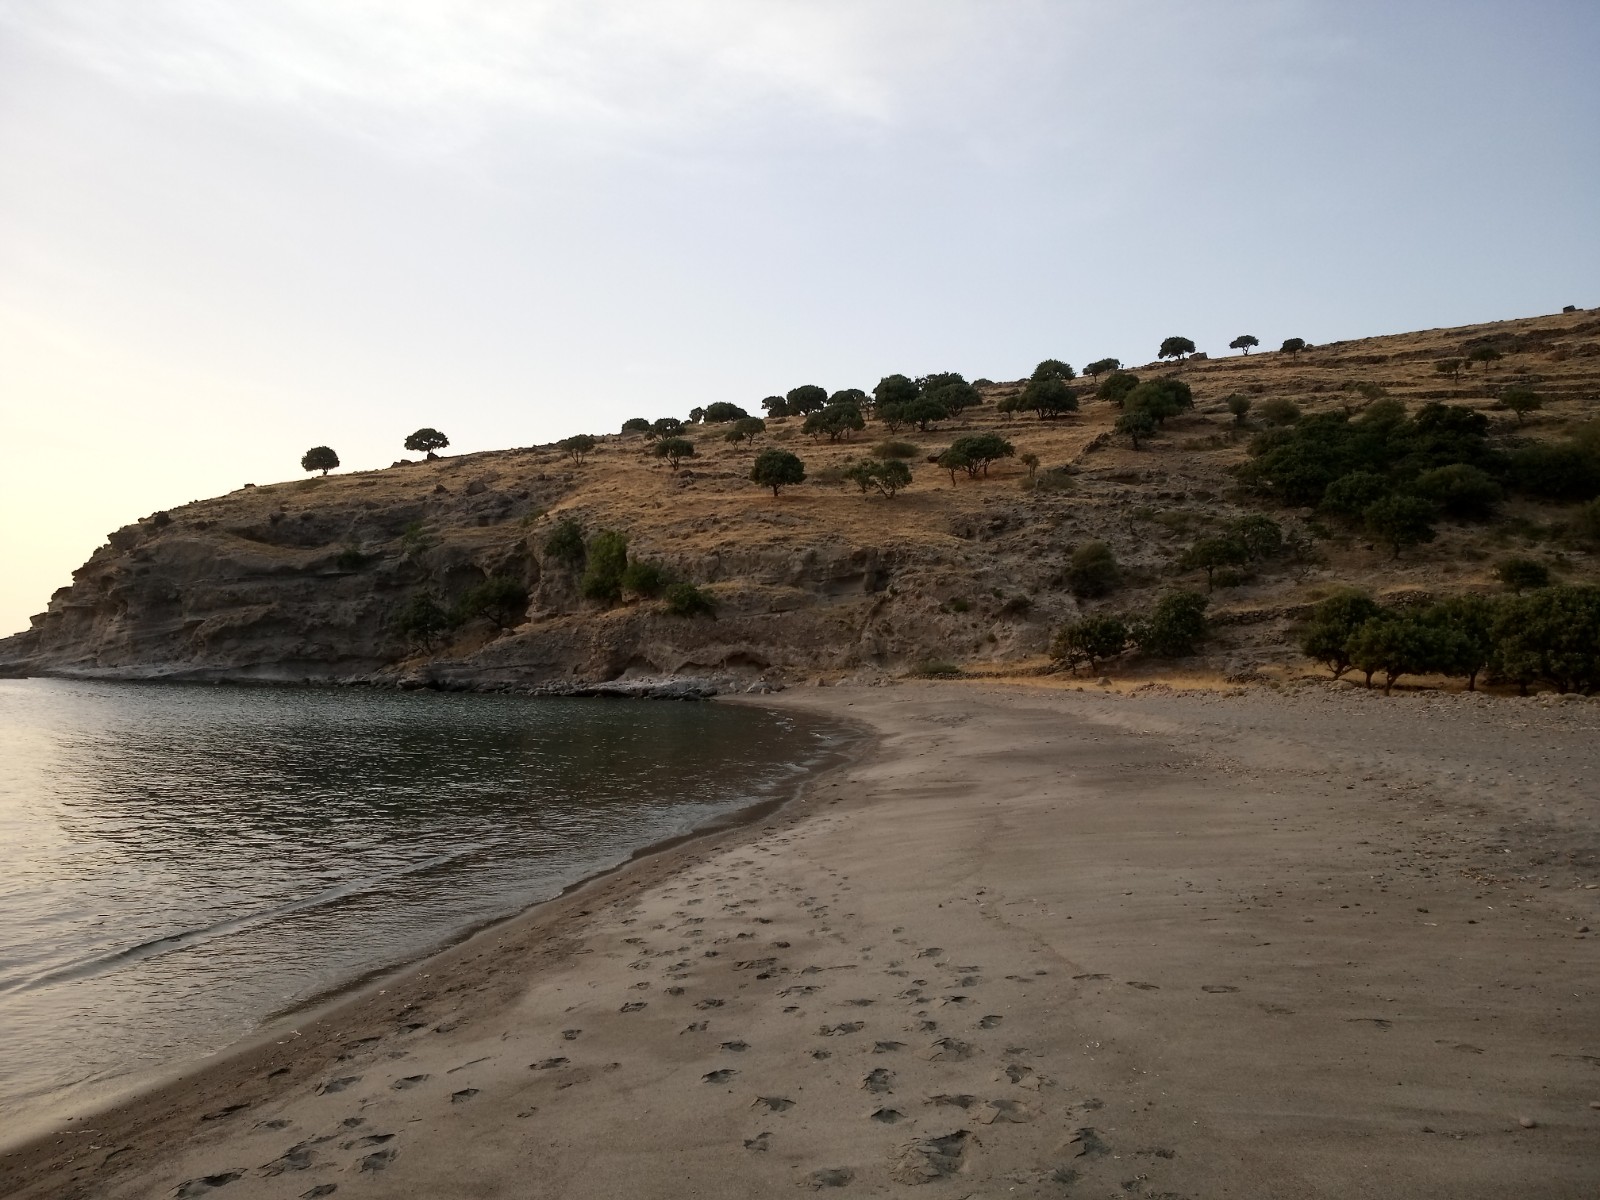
{"x": 350, "y": 559}
{"x": 1210, "y": 553}
{"x": 1261, "y": 537}
{"x": 1053, "y": 368}
{"x": 666, "y": 427}
{"x": 935, "y": 668}
{"x": 565, "y": 543}
{"x": 1239, "y": 406}
{"x": 427, "y": 440}
{"x": 1093, "y": 571}
{"x": 1116, "y": 386}
{"x": 1175, "y": 347}
{"x": 1587, "y": 521}
{"x": 1484, "y": 355}
{"x": 1557, "y": 470}
{"x": 1049, "y": 397}
{"x": 577, "y": 446}
{"x": 1461, "y": 490}
{"x": 1243, "y": 342}
{"x": 1449, "y": 366}
{"x": 747, "y": 429}
{"x": 1522, "y": 573}
{"x": 645, "y": 578}
{"x": 1400, "y": 521}
{"x": 775, "y": 406}
{"x": 607, "y": 554}
{"x": 674, "y": 450}
{"x": 1175, "y": 627}
{"x": 1521, "y": 400}
{"x": 974, "y": 454}
{"x": 636, "y": 425}
{"x": 1551, "y": 634}
{"x": 887, "y": 477}
{"x": 1102, "y": 366}
{"x": 420, "y": 619}
{"x": 1351, "y": 495}
{"x": 1279, "y": 411}
{"x": 498, "y": 598}
{"x": 721, "y": 412}
{"x": 777, "y": 468}
{"x": 1326, "y": 637}
{"x": 921, "y": 412}
{"x": 686, "y": 600}
{"x": 1292, "y": 347}
{"x": 1031, "y": 461}
{"x": 319, "y": 458}
{"x": 1091, "y": 640}
{"x": 1136, "y": 423}
{"x": 894, "y": 449}
{"x": 1161, "y": 398}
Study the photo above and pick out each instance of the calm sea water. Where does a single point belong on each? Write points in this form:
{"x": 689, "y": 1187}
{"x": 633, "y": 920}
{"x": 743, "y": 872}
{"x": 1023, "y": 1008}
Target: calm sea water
{"x": 181, "y": 862}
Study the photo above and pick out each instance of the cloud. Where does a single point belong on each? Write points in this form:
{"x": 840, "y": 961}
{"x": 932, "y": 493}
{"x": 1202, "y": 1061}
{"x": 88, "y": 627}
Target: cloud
{"x": 662, "y": 65}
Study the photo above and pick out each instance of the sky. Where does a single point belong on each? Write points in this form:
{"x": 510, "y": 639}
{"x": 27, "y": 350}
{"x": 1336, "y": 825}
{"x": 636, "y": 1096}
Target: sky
{"x": 230, "y": 232}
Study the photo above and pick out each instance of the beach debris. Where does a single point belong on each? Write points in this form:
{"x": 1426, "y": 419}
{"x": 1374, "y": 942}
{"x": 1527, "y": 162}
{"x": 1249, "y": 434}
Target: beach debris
{"x": 931, "y": 1158}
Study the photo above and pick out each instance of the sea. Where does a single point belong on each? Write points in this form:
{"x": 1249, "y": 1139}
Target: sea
{"x": 181, "y": 864}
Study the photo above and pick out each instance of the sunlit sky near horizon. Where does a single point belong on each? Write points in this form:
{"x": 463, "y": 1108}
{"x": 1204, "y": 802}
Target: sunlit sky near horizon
{"x": 229, "y": 232}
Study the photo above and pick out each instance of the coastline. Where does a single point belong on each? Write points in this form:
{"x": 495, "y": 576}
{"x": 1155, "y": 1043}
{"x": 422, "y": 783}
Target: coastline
{"x": 1028, "y": 940}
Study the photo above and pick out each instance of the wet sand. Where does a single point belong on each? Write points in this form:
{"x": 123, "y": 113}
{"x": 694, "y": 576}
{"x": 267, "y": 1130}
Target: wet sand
{"x": 1033, "y": 942}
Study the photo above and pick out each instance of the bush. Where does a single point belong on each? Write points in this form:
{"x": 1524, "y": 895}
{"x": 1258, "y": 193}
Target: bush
{"x": 1587, "y": 522}
{"x": 577, "y": 446}
{"x": 686, "y": 600}
{"x": 499, "y": 598}
{"x": 674, "y": 450}
{"x": 1239, "y": 406}
{"x": 427, "y": 440}
{"x": 1115, "y": 387}
{"x": 666, "y": 427}
{"x": 1102, "y": 366}
{"x": 1292, "y": 347}
{"x": 1279, "y": 412}
{"x": 1522, "y": 401}
{"x": 836, "y": 420}
{"x": 1551, "y": 634}
{"x": 1090, "y": 640}
{"x": 777, "y": 468}
{"x": 319, "y": 458}
{"x": 1208, "y": 554}
{"x": 607, "y": 555}
{"x": 893, "y": 449}
{"x": 775, "y": 406}
{"x": 1093, "y": 571}
{"x": 1557, "y": 470}
{"x": 721, "y": 411}
{"x": 887, "y": 477}
{"x": 1461, "y": 490}
{"x": 935, "y": 668}
{"x": 949, "y": 390}
{"x": 746, "y": 429}
{"x": 1522, "y": 573}
{"x": 1136, "y": 423}
{"x": 1261, "y": 537}
{"x": 807, "y": 398}
{"x": 1049, "y": 397}
{"x": 1175, "y": 627}
{"x": 1484, "y": 355}
{"x": 645, "y": 578}
{"x": 1351, "y": 495}
{"x": 636, "y": 425}
{"x": 350, "y": 559}
{"x": 921, "y": 412}
{"x": 565, "y": 543}
{"x": 420, "y": 619}
{"x": 1449, "y": 366}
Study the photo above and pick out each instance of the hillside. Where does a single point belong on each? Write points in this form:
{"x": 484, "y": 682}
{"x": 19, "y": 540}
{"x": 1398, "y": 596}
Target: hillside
{"x": 303, "y": 580}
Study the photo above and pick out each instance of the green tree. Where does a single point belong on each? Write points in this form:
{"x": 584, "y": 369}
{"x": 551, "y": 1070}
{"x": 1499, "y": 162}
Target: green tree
{"x": 1210, "y": 553}
{"x": 851, "y": 397}
{"x": 576, "y": 446}
{"x": 776, "y": 469}
{"x": 1396, "y": 644}
{"x": 1463, "y": 491}
{"x": 974, "y": 453}
{"x": 319, "y": 458}
{"x": 1326, "y": 637}
{"x": 1239, "y": 406}
{"x": 721, "y": 412}
{"x": 1031, "y": 461}
{"x": 427, "y": 440}
{"x": 746, "y": 430}
{"x": 1449, "y": 366}
{"x": 1102, "y": 366}
{"x": 775, "y": 406}
{"x": 1114, "y": 388}
{"x": 1136, "y": 423}
{"x": 1054, "y": 368}
{"x": 1092, "y": 571}
{"x": 950, "y": 390}
{"x": 895, "y": 389}
{"x": 1351, "y": 495}
{"x": 565, "y": 543}
{"x": 1551, "y": 634}
{"x": 1091, "y": 639}
{"x": 807, "y": 398}
{"x": 1261, "y": 537}
{"x": 666, "y": 427}
{"x": 1292, "y": 347}
{"x": 1522, "y": 573}
{"x": 1049, "y": 397}
{"x": 1400, "y": 521}
{"x": 836, "y": 421}
{"x": 696, "y": 415}
{"x": 1175, "y": 347}
{"x": 1175, "y": 626}
{"x": 686, "y": 600}
{"x": 421, "y": 619}
{"x": 1469, "y": 622}
{"x": 645, "y": 578}
{"x": 1521, "y": 400}
{"x": 674, "y": 450}
{"x": 607, "y": 555}
{"x": 1243, "y": 342}
{"x": 499, "y": 599}
{"x": 885, "y": 477}
{"x": 921, "y": 412}
{"x": 636, "y": 425}
{"x": 1485, "y": 355}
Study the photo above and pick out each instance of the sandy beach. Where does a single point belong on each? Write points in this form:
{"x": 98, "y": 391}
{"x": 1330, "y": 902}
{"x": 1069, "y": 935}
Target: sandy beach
{"x": 1033, "y": 941}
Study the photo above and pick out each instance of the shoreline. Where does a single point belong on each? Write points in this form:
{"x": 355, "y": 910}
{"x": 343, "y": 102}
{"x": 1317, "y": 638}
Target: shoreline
{"x": 854, "y": 741}
{"x": 1026, "y": 940}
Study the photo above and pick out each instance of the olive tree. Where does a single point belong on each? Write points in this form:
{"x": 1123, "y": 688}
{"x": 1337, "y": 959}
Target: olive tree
{"x": 427, "y": 441}
{"x": 1175, "y": 347}
{"x": 319, "y": 458}
{"x": 1243, "y": 342}
{"x": 776, "y": 469}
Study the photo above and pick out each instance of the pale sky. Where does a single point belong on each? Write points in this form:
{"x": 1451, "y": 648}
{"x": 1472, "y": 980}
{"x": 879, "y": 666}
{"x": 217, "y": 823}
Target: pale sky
{"x": 232, "y": 231}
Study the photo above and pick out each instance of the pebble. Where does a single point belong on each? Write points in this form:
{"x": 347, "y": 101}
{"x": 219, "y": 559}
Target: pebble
{"x": 1527, "y": 1122}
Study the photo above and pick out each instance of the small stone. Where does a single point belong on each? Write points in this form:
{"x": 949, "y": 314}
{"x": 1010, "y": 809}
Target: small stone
{"x": 1527, "y": 1122}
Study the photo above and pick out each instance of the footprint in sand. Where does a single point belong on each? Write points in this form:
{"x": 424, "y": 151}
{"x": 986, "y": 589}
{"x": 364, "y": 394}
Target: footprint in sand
{"x": 775, "y": 1104}
{"x": 838, "y": 1030}
{"x": 1093, "y": 976}
{"x": 718, "y": 1076}
{"x": 888, "y": 1116}
{"x": 736, "y": 1047}
{"x": 322, "y": 1189}
{"x": 830, "y": 1177}
{"x": 463, "y": 1095}
{"x": 548, "y": 1064}
{"x": 931, "y": 952}
{"x": 709, "y": 1004}
{"x": 570, "y": 1035}
{"x": 819, "y": 1055}
{"x": 1218, "y": 989}
{"x": 1144, "y": 987}
{"x": 632, "y": 1006}
{"x": 1005, "y": 1111}
{"x": 410, "y": 1081}
{"x": 758, "y": 1144}
{"x": 378, "y": 1160}
{"x": 337, "y": 1085}
{"x": 947, "y": 1100}
{"x": 990, "y": 1021}
{"x": 948, "y": 1050}
{"x": 697, "y": 1027}
{"x": 878, "y": 1081}
{"x": 927, "y": 1159}
{"x": 887, "y": 1047}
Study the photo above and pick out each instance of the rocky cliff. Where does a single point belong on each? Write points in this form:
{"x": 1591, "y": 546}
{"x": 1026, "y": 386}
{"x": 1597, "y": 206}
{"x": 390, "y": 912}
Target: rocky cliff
{"x": 303, "y": 580}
